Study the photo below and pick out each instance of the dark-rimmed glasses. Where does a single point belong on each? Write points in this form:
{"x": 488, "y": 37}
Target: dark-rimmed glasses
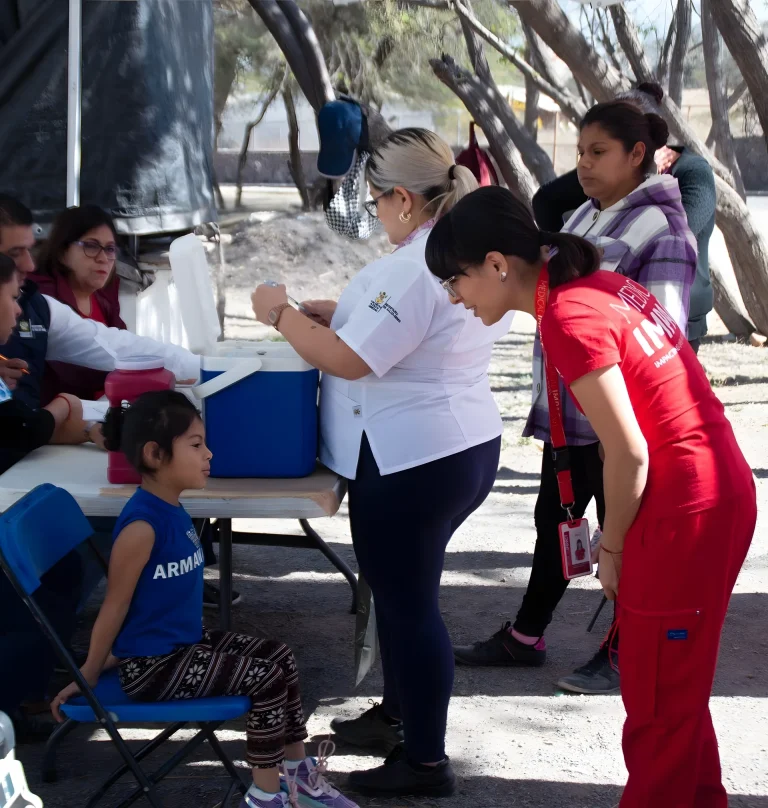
{"x": 92, "y": 249}
{"x": 372, "y": 205}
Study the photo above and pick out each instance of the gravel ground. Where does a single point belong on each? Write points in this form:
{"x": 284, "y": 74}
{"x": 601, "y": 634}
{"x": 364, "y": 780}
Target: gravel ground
{"x": 514, "y": 740}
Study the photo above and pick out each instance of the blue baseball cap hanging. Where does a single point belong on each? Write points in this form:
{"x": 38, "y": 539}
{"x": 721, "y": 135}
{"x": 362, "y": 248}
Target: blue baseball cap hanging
{"x": 341, "y": 127}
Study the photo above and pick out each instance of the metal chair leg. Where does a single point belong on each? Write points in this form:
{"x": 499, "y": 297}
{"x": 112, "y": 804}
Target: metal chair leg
{"x": 237, "y": 780}
{"x": 334, "y": 559}
{"x": 48, "y": 766}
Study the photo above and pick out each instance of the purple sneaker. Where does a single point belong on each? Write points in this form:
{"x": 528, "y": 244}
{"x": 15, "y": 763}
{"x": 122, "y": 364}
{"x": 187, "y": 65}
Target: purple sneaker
{"x": 252, "y": 801}
{"x": 307, "y": 786}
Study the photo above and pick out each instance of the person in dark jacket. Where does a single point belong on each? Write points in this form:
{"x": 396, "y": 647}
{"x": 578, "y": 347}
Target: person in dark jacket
{"x": 77, "y": 267}
{"x": 26, "y": 659}
{"x": 553, "y": 201}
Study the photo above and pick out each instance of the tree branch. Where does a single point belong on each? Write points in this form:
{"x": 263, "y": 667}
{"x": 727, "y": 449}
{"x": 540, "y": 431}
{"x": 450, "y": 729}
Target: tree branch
{"x": 607, "y": 44}
{"x": 680, "y": 51}
{"x": 662, "y": 69}
{"x": 570, "y": 105}
{"x": 629, "y": 39}
{"x": 475, "y": 96}
{"x": 718, "y": 102}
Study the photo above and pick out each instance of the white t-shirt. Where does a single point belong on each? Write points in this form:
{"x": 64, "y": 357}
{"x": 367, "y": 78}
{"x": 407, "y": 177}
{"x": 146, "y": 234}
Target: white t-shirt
{"x": 428, "y": 395}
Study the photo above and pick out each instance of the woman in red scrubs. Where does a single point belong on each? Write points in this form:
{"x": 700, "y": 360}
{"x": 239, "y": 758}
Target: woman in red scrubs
{"x": 680, "y": 504}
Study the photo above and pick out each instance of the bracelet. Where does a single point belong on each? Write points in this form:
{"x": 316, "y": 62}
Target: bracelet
{"x": 69, "y": 406}
{"x": 611, "y": 552}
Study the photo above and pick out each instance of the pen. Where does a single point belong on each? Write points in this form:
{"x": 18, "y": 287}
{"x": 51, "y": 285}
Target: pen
{"x": 5, "y": 359}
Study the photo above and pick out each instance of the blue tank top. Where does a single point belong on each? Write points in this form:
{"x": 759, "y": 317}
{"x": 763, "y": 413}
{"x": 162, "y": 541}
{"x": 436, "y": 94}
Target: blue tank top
{"x": 166, "y": 612}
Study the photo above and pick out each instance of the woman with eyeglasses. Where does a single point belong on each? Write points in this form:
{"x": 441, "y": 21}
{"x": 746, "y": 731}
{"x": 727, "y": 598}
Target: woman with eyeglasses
{"x": 408, "y": 417}
{"x": 77, "y": 267}
{"x": 680, "y": 500}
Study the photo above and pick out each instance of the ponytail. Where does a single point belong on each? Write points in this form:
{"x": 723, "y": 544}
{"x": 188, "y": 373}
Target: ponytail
{"x": 112, "y": 428}
{"x": 571, "y": 257}
{"x": 493, "y": 219}
{"x": 159, "y": 417}
{"x": 421, "y": 162}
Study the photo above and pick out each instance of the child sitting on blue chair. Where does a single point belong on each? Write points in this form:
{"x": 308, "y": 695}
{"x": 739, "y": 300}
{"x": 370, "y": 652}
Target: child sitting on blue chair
{"x": 150, "y": 624}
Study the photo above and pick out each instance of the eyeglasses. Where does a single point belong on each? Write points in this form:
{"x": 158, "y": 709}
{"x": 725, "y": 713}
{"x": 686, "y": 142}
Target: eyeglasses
{"x": 372, "y": 205}
{"x": 93, "y": 248}
{"x": 448, "y": 286}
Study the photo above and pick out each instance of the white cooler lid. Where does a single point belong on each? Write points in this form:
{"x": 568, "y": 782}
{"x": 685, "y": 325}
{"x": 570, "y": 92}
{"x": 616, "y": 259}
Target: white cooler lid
{"x": 192, "y": 278}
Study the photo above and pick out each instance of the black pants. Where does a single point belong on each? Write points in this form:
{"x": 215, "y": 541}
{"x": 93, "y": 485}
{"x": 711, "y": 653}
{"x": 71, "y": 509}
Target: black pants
{"x": 26, "y": 656}
{"x": 546, "y": 586}
{"x": 401, "y": 524}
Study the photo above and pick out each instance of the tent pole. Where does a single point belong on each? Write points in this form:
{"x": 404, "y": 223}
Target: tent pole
{"x": 74, "y": 97}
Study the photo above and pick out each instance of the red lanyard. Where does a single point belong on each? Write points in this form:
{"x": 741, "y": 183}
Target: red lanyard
{"x": 557, "y": 432}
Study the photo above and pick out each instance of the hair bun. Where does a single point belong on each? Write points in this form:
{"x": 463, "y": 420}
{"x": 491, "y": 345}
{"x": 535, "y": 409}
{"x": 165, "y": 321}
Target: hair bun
{"x": 658, "y": 130}
{"x": 656, "y": 91}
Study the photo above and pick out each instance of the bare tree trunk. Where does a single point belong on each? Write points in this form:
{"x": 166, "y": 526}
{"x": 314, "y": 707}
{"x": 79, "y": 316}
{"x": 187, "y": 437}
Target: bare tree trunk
{"x": 662, "y": 69}
{"x": 680, "y": 51}
{"x": 748, "y": 251}
{"x": 728, "y": 306}
{"x": 549, "y": 21}
{"x": 733, "y": 99}
{"x": 297, "y": 170}
{"x": 531, "y": 121}
{"x": 747, "y": 43}
{"x": 277, "y": 83}
{"x": 294, "y": 35}
{"x": 544, "y": 79}
{"x": 223, "y": 81}
{"x": 535, "y": 158}
{"x": 717, "y": 101}
{"x": 476, "y": 98}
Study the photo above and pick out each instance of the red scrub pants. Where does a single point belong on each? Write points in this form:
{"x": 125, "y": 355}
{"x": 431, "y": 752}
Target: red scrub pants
{"x": 676, "y": 582}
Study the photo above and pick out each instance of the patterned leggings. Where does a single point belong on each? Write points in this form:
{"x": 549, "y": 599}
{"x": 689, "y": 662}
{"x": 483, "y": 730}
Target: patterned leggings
{"x": 227, "y": 664}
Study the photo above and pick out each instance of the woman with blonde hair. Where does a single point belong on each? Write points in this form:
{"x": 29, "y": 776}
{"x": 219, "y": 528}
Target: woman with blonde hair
{"x": 407, "y": 416}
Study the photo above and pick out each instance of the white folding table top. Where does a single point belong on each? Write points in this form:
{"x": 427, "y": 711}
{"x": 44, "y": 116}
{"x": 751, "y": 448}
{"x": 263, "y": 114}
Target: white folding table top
{"x": 82, "y": 470}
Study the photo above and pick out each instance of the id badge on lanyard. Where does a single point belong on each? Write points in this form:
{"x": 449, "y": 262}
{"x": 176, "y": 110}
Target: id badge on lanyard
{"x": 574, "y": 534}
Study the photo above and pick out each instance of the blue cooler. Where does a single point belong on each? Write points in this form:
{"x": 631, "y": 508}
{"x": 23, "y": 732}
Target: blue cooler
{"x": 260, "y": 410}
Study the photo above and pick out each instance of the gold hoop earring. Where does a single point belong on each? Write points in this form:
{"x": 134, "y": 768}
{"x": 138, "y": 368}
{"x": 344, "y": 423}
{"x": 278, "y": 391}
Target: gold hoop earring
{"x": 503, "y": 276}
{"x": 405, "y": 218}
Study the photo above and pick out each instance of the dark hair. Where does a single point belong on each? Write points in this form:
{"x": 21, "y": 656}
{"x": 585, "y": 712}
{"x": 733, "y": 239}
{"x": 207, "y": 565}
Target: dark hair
{"x": 159, "y": 417}
{"x": 647, "y": 97}
{"x": 623, "y": 121}
{"x": 68, "y": 227}
{"x": 14, "y": 213}
{"x": 7, "y": 269}
{"x": 493, "y": 219}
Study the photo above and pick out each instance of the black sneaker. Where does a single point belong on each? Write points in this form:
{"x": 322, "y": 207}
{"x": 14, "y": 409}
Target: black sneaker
{"x": 501, "y": 650}
{"x": 597, "y": 678}
{"x": 397, "y": 777}
{"x": 212, "y": 596}
{"x": 372, "y": 729}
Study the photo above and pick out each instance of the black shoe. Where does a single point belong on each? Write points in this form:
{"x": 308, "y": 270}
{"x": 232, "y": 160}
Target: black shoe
{"x": 397, "y": 777}
{"x": 501, "y": 650}
{"x": 212, "y": 596}
{"x": 597, "y": 678}
{"x": 372, "y": 729}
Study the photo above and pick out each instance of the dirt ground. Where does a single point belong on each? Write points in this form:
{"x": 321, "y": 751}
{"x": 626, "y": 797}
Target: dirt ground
{"x": 514, "y": 740}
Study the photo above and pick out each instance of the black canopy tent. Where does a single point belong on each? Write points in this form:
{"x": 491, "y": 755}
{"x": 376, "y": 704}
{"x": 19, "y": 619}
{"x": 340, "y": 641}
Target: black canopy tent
{"x": 146, "y": 104}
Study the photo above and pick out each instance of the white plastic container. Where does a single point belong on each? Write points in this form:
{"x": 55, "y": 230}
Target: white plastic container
{"x": 194, "y": 289}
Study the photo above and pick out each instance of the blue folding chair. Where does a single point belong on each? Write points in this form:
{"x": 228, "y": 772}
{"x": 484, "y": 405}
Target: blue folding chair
{"x": 36, "y": 533}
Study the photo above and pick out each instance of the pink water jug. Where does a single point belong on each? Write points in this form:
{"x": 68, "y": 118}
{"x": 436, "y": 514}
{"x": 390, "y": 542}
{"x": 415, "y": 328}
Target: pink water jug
{"x": 132, "y": 377}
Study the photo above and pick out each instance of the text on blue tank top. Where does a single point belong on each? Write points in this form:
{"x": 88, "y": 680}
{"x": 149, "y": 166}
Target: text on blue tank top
{"x": 166, "y": 612}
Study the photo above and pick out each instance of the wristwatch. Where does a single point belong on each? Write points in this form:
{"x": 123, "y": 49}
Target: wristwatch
{"x": 275, "y": 313}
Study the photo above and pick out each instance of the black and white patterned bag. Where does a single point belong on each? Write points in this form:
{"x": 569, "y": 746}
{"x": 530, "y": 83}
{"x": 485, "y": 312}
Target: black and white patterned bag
{"x": 345, "y": 213}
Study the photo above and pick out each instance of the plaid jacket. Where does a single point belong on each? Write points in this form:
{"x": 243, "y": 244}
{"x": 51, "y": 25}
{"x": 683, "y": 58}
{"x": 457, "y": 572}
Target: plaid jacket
{"x": 646, "y": 237}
